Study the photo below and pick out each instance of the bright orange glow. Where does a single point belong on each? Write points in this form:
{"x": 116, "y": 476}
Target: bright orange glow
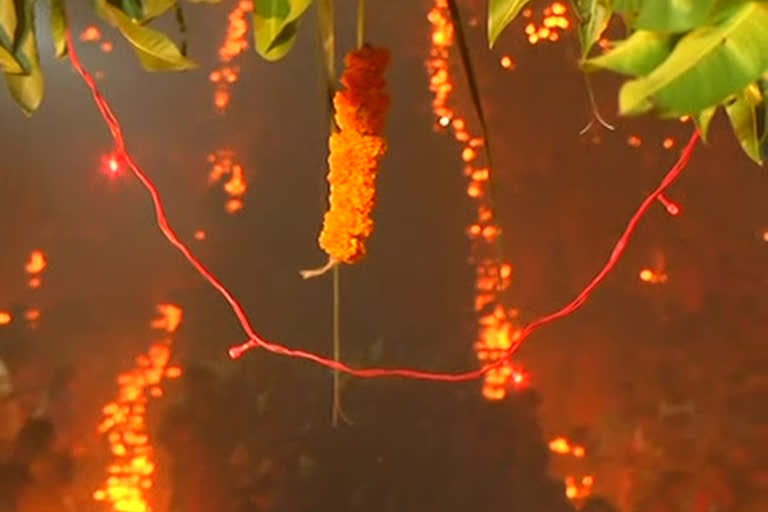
{"x": 169, "y": 319}
{"x": 106, "y": 46}
{"x": 560, "y": 445}
{"x": 575, "y": 489}
{"x": 132, "y": 468}
{"x": 235, "y": 43}
{"x": 200, "y": 235}
{"x": 554, "y": 21}
{"x": 634, "y": 141}
{"x": 495, "y": 332}
{"x": 668, "y": 143}
{"x": 223, "y": 164}
{"x": 765, "y": 235}
{"x": 174, "y": 372}
{"x": 32, "y": 314}
{"x": 34, "y": 283}
{"x": 507, "y": 62}
{"x": 233, "y": 206}
{"x": 36, "y": 262}
{"x": 653, "y": 276}
{"x": 90, "y": 34}
{"x": 5, "y": 318}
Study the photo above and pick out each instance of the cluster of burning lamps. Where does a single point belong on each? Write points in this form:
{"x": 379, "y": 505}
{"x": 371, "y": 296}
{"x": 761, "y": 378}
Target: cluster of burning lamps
{"x": 130, "y": 473}
{"x": 576, "y": 489}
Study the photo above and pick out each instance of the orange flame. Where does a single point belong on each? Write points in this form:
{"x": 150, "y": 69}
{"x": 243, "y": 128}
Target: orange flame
{"x": 36, "y": 263}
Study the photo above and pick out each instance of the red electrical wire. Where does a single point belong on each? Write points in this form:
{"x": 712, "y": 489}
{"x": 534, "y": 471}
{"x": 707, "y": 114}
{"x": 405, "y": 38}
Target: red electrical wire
{"x": 254, "y": 340}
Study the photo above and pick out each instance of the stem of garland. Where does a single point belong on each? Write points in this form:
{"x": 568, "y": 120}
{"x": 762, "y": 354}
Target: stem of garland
{"x": 326, "y": 17}
{"x": 360, "y": 23}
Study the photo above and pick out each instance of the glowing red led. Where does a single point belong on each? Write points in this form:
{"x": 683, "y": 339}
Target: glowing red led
{"x": 672, "y": 207}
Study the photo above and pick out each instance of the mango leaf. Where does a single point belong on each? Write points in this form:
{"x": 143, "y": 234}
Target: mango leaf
{"x": 637, "y": 55}
{"x": 747, "y": 112}
{"x": 706, "y": 66}
{"x": 132, "y": 8}
{"x": 595, "y": 15}
{"x": 703, "y": 120}
{"x": 155, "y": 50}
{"x": 27, "y": 88}
{"x": 275, "y": 23}
{"x": 8, "y": 23}
{"x": 628, "y": 9}
{"x": 500, "y": 14}
{"x": 672, "y": 16}
{"x": 154, "y": 8}
{"x": 8, "y": 63}
{"x": 59, "y": 28}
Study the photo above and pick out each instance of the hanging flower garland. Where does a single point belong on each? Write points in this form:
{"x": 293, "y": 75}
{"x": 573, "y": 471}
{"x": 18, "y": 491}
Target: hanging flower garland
{"x": 356, "y": 151}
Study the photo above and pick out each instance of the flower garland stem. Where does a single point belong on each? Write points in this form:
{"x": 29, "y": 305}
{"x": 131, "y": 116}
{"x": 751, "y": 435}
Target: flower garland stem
{"x": 336, "y": 409}
{"x": 360, "y": 23}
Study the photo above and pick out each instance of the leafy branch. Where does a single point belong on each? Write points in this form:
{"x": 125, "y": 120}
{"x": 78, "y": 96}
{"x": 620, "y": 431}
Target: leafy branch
{"x": 682, "y": 58}
{"x": 275, "y": 24}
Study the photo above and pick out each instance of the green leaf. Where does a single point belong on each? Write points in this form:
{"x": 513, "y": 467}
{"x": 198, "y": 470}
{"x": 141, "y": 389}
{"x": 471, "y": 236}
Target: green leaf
{"x": 628, "y": 9}
{"x": 275, "y": 23}
{"x": 8, "y": 23}
{"x": 703, "y": 120}
{"x": 500, "y": 14}
{"x": 8, "y": 63}
{"x": 595, "y": 15}
{"x": 59, "y": 28}
{"x": 132, "y": 8}
{"x": 27, "y": 88}
{"x": 747, "y": 112}
{"x": 672, "y": 16}
{"x": 155, "y": 50}
{"x": 707, "y": 65}
{"x": 154, "y": 8}
{"x": 637, "y": 55}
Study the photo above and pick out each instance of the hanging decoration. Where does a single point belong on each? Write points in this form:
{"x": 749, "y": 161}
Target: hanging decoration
{"x": 356, "y": 151}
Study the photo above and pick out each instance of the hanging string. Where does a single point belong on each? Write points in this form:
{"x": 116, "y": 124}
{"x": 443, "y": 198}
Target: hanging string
{"x": 360, "y": 23}
{"x": 254, "y": 340}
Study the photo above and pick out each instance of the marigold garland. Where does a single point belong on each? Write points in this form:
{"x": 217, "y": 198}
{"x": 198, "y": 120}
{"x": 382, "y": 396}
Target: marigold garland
{"x": 356, "y": 150}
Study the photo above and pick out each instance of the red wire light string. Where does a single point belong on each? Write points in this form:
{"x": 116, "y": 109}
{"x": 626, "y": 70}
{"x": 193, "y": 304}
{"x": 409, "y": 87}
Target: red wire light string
{"x": 254, "y": 340}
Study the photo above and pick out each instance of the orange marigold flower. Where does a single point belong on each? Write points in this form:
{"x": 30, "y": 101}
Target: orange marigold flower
{"x": 356, "y": 151}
